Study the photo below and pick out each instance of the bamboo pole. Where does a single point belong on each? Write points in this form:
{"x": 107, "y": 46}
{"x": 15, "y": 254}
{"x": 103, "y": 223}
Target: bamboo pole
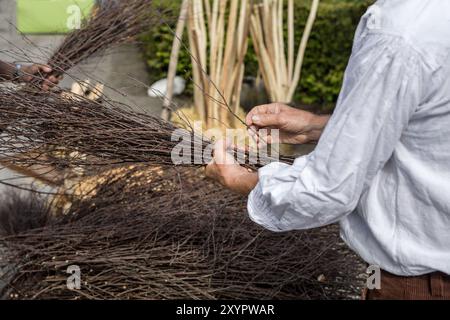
{"x": 219, "y": 67}
{"x": 283, "y": 62}
{"x": 291, "y": 38}
{"x": 264, "y": 60}
{"x": 197, "y": 75}
{"x": 302, "y": 49}
{"x": 202, "y": 43}
{"x": 229, "y": 59}
{"x": 174, "y": 59}
{"x": 208, "y": 11}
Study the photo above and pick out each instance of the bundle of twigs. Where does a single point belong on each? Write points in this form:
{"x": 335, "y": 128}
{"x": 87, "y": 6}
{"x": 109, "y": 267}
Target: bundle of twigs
{"x": 89, "y": 133}
{"x": 114, "y": 22}
{"x": 168, "y": 235}
{"x": 280, "y": 70}
{"x": 218, "y": 37}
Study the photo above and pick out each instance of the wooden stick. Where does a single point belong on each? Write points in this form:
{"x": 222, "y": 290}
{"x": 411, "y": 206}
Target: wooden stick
{"x": 264, "y": 60}
{"x": 213, "y": 41}
{"x": 283, "y": 62}
{"x": 243, "y": 31}
{"x": 302, "y": 48}
{"x": 257, "y": 46}
{"x": 276, "y": 45}
{"x": 229, "y": 60}
{"x": 199, "y": 103}
{"x": 219, "y": 72}
{"x": 291, "y": 39}
{"x": 208, "y": 11}
{"x": 213, "y": 53}
{"x": 202, "y": 39}
{"x": 166, "y": 113}
{"x": 237, "y": 97}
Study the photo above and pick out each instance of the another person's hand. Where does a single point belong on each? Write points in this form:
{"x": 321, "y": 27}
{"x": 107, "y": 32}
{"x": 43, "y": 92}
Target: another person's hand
{"x": 30, "y": 72}
{"x": 295, "y": 126}
{"x": 229, "y": 173}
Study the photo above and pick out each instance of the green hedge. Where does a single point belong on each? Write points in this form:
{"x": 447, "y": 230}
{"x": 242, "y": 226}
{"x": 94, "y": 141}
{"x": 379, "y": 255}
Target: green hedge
{"x": 327, "y": 55}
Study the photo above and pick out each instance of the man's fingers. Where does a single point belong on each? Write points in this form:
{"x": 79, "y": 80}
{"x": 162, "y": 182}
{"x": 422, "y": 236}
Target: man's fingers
{"x": 267, "y": 120}
{"x": 248, "y": 118}
{"x": 262, "y": 109}
{"x": 34, "y": 69}
{"x": 46, "y": 84}
{"x": 40, "y": 70}
{"x": 43, "y": 68}
{"x": 53, "y": 80}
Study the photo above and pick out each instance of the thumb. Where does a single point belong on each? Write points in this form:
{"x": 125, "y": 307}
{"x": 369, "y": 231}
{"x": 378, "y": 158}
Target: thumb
{"x": 267, "y": 120}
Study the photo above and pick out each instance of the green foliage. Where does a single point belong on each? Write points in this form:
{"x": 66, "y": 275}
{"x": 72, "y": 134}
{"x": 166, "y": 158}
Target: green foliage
{"x": 326, "y": 57}
{"x": 157, "y": 46}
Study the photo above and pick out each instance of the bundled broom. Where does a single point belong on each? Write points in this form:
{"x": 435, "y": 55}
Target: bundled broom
{"x": 87, "y": 133}
{"x": 168, "y": 234}
{"x": 114, "y": 23}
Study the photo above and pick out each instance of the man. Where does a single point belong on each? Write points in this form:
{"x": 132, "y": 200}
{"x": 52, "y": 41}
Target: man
{"x": 382, "y": 164}
{"x": 26, "y": 73}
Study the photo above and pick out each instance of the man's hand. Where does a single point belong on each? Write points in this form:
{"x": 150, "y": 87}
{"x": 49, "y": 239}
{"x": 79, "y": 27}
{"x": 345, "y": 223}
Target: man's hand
{"x": 229, "y": 173}
{"x": 30, "y": 72}
{"x": 296, "y": 126}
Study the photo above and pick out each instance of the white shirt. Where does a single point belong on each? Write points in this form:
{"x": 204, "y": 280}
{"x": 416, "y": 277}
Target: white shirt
{"x": 382, "y": 166}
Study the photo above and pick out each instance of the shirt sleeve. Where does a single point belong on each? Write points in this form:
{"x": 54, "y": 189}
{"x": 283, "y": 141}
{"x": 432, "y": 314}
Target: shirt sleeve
{"x": 382, "y": 88}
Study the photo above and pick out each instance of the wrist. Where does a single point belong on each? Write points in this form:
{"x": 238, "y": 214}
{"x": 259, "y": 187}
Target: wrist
{"x": 319, "y": 122}
{"x": 314, "y": 128}
{"x": 245, "y": 183}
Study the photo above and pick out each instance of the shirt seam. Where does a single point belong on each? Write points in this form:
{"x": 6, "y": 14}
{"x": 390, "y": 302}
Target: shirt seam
{"x": 408, "y": 41}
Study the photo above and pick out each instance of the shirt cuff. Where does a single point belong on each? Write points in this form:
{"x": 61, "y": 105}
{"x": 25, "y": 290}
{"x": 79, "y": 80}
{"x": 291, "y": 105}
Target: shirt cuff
{"x": 259, "y": 210}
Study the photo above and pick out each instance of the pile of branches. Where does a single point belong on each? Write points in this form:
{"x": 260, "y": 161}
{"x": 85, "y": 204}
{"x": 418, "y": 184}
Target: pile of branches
{"x": 112, "y": 132}
{"x": 113, "y": 23}
{"x": 89, "y": 133}
{"x": 165, "y": 233}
